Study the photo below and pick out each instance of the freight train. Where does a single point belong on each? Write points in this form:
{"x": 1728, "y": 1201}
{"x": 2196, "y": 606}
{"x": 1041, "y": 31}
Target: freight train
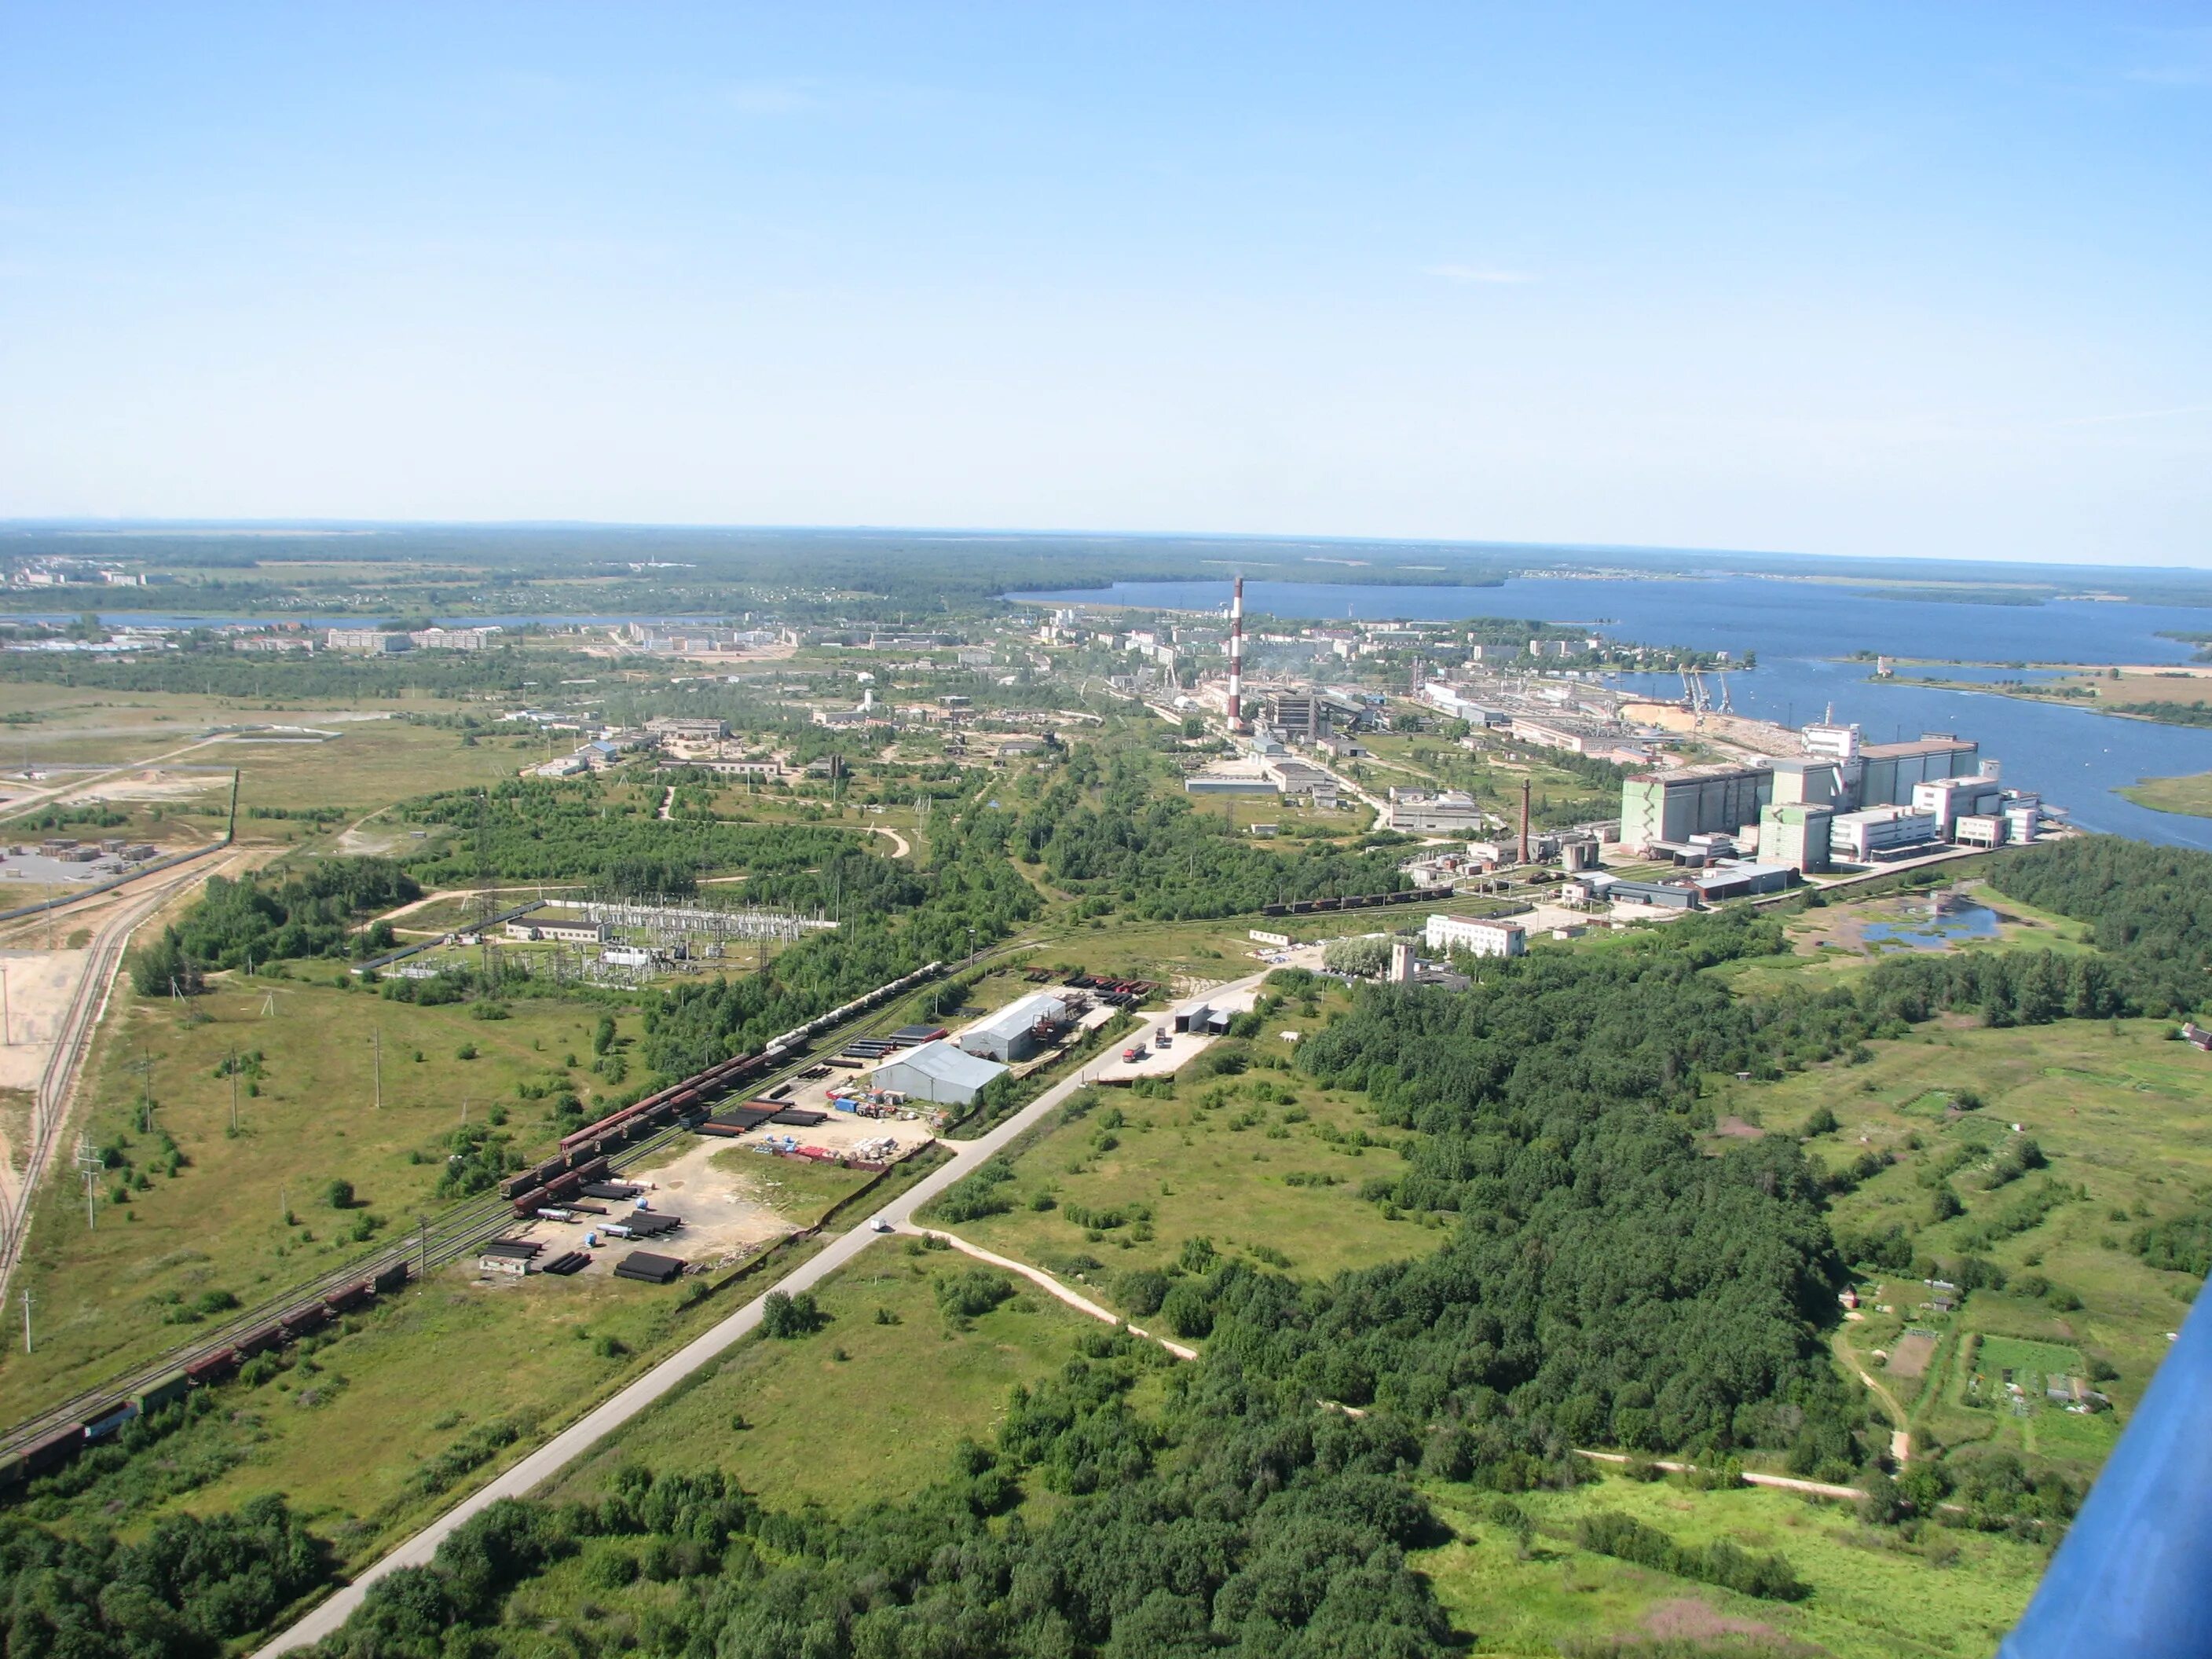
{"x": 1359, "y": 902}
{"x": 58, "y": 1446}
{"x": 582, "y": 1160}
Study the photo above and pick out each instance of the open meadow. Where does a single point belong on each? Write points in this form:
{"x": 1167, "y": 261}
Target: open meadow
{"x": 1874, "y": 1594}
{"x": 2119, "y": 1112}
{"x": 191, "y": 1216}
{"x": 869, "y": 1407}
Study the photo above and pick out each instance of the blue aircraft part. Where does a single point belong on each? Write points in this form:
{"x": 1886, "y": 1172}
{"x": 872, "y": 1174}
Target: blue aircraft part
{"x": 2133, "y": 1579}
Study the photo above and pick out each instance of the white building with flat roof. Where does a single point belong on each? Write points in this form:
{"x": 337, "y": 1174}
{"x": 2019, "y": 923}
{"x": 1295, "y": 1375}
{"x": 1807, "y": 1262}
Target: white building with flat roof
{"x": 1479, "y": 936}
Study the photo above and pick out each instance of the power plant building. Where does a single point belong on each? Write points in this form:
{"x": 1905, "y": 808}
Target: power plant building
{"x": 1796, "y": 834}
{"x": 1674, "y": 806}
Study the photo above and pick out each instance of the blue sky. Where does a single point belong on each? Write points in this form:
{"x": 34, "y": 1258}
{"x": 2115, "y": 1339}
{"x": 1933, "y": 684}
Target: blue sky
{"x": 1921, "y": 280}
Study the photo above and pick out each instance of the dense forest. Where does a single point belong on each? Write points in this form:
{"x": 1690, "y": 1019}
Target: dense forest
{"x": 307, "y": 913}
{"x": 191, "y": 1587}
{"x": 216, "y": 671}
{"x": 2151, "y": 907}
{"x": 1103, "y": 831}
{"x": 528, "y": 830}
{"x": 1609, "y": 1280}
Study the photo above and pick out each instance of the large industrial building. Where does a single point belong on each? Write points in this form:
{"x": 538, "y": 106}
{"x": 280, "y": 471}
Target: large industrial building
{"x": 940, "y": 1071}
{"x": 1417, "y": 811}
{"x": 1672, "y": 807}
{"x": 1013, "y": 1034}
{"x": 1843, "y": 800}
{"x": 1796, "y": 834}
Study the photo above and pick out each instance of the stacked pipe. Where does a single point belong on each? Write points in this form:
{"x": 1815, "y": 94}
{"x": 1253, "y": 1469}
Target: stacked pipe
{"x": 1236, "y": 656}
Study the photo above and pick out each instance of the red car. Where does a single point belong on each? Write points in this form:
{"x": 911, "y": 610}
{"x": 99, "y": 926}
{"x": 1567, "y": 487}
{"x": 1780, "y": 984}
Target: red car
{"x": 1133, "y": 1054}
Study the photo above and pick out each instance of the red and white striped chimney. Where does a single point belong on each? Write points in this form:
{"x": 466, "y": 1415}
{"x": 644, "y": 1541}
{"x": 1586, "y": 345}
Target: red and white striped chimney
{"x": 1236, "y": 656}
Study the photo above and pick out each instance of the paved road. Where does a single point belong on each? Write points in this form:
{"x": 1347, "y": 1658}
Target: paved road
{"x": 579, "y": 1437}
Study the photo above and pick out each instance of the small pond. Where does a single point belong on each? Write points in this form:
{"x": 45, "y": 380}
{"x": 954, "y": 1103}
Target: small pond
{"x": 1931, "y": 930}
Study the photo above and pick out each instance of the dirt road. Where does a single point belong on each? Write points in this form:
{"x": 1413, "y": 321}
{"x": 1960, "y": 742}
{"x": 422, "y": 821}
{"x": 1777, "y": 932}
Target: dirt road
{"x": 1044, "y": 1280}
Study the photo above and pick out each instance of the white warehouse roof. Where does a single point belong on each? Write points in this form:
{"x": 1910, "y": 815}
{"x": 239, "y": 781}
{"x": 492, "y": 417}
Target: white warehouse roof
{"x": 942, "y": 1062}
{"x": 1019, "y": 1016}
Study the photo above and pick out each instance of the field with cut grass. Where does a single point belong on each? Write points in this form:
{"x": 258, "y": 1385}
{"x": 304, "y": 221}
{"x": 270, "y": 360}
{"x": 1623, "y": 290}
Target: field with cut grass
{"x": 188, "y": 1213}
{"x": 1875, "y": 1594}
{"x": 867, "y": 1408}
{"x": 372, "y": 1428}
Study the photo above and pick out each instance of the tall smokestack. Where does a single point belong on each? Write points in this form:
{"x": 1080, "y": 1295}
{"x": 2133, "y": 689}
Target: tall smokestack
{"x": 1236, "y": 656}
{"x": 1524, "y": 820}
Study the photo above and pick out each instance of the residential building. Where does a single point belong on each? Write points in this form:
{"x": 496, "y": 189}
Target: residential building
{"x": 452, "y": 639}
{"x": 374, "y": 641}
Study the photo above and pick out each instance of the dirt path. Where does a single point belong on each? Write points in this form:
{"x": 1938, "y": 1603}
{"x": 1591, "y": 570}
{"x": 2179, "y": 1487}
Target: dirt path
{"x": 1038, "y": 1276}
{"x": 668, "y": 805}
{"x": 1900, "y": 1437}
{"x": 897, "y": 840}
{"x": 1785, "y": 1482}
{"x": 38, "y": 798}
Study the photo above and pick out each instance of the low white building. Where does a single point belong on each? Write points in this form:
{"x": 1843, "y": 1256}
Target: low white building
{"x": 1479, "y": 936}
{"x": 1418, "y": 812}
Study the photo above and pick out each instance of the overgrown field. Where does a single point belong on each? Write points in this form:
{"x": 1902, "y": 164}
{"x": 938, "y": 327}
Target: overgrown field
{"x": 190, "y": 1217}
{"x": 1873, "y": 1594}
{"x": 2116, "y": 1110}
{"x": 867, "y": 1408}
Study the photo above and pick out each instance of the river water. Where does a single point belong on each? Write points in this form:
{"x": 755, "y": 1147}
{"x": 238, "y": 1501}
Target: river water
{"x": 1803, "y": 633}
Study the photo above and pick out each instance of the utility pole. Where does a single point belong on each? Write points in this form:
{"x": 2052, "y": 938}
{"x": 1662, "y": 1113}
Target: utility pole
{"x": 87, "y": 1164}
{"x": 422, "y": 1233}
{"x": 7, "y": 1025}
{"x": 26, "y": 1321}
{"x": 234, "y": 1088}
{"x": 145, "y": 1091}
{"x": 376, "y": 1064}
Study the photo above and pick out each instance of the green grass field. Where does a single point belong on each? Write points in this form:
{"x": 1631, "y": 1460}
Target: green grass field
{"x": 1261, "y": 1163}
{"x": 2191, "y": 793}
{"x": 216, "y": 1224}
{"x": 1875, "y": 1594}
{"x": 2119, "y": 1110}
{"x": 861, "y": 1411}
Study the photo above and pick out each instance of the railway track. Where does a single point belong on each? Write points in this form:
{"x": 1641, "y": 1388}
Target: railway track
{"x": 58, "y": 1077}
{"x": 460, "y": 1231}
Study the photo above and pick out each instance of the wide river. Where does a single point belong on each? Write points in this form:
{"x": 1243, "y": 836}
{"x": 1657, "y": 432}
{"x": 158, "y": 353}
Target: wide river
{"x": 1803, "y": 633}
